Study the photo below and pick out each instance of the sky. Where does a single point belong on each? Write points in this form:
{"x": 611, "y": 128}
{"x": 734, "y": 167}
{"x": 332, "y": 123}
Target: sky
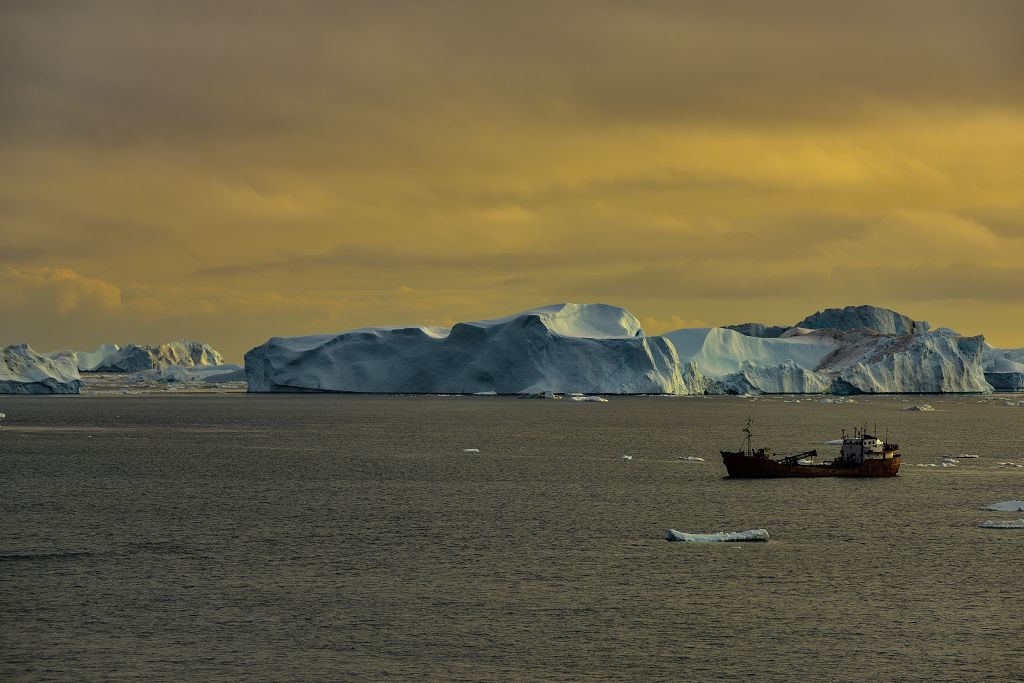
{"x": 231, "y": 171}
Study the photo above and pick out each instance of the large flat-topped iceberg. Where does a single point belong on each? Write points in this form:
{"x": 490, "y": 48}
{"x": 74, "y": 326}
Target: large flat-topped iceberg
{"x": 23, "y": 371}
{"x": 565, "y": 348}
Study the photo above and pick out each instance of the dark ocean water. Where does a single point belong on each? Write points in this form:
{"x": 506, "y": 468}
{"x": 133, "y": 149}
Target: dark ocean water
{"x": 318, "y": 537}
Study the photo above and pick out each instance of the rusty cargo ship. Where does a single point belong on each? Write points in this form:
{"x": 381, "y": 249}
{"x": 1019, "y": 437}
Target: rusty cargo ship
{"x": 860, "y": 455}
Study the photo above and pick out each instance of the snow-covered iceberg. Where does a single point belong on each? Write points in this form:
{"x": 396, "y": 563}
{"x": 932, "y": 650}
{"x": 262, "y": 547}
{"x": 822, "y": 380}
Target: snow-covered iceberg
{"x": 136, "y": 358}
{"x": 721, "y": 536}
{"x": 564, "y": 348}
{"x": 23, "y": 371}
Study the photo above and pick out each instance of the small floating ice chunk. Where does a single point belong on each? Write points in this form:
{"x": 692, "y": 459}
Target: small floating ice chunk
{"x": 967, "y": 456}
{"x": 691, "y": 458}
{"x": 1006, "y": 506}
{"x": 485, "y": 393}
{"x": 595, "y": 399}
{"x": 470, "y": 450}
{"x": 721, "y": 536}
{"x": 1002, "y": 524}
{"x": 627, "y": 457}
{"x": 923, "y": 408}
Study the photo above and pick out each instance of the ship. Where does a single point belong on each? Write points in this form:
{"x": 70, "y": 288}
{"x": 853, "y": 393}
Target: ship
{"x": 861, "y": 455}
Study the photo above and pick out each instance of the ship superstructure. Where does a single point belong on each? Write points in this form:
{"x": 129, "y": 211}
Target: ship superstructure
{"x": 861, "y": 455}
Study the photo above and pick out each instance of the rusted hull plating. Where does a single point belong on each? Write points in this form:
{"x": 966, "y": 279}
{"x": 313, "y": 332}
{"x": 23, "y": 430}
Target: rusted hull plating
{"x": 741, "y": 466}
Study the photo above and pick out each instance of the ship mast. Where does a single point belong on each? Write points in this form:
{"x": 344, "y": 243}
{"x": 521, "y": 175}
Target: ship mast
{"x": 746, "y": 430}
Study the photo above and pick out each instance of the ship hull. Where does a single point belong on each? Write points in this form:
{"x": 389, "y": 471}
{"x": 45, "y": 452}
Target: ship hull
{"x": 742, "y": 466}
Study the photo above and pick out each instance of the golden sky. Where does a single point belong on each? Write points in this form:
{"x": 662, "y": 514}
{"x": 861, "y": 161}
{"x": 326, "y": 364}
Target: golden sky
{"x": 229, "y": 171}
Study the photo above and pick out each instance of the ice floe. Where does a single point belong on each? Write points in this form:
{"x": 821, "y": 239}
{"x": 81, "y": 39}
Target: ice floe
{"x": 1006, "y": 506}
{"x": 721, "y": 536}
{"x": 923, "y": 408}
{"x": 470, "y": 450}
{"x": 1002, "y": 524}
{"x": 589, "y": 399}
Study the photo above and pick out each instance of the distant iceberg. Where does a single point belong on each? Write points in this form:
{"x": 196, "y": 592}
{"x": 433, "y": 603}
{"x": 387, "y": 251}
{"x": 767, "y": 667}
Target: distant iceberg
{"x": 23, "y": 371}
{"x": 199, "y": 373}
{"x": 721, "y": 536}
{"x": 136, "y": 358}
{"x": 89, "y": 360}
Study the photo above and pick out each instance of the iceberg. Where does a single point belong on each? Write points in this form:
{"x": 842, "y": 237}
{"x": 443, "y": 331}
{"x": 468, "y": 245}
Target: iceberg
{"x": 136, "y": 358}
{"x": 1004, "y": 368}
{"x": 721, "y": 536}
{"x": 602, "y": 349}
{"x": 874, "y": 318}
{"x": 1006, "y": 506}
{"x": 197, "y": 373}
{"x": 23, "y": 371}
{"x": 88, "y": 361}
{"x": 563, "y": 349}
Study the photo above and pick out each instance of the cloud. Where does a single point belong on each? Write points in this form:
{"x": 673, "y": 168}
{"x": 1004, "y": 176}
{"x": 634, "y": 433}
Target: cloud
{"x": 297, "y": 167}
{"x": 59, "y": 290}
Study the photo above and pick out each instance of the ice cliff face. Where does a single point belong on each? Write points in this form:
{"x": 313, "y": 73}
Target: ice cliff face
{"x": 591, "y": 348}
{"x": 88, "y": 361}
{"x": 832, "y": 361}
{"x": 1004, "y": 368}
{"x": 596, "y": 348}
{"x": 931, "y": 362}
{"x": 870, "y": 317}
{"x": 136, "y": 358}
{"x": 759, "y": 330}
{"x": 23, "y": 371}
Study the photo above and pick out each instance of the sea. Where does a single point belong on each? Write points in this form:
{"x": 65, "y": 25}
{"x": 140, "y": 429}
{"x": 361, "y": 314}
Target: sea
{"x": 207, "y": 537}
